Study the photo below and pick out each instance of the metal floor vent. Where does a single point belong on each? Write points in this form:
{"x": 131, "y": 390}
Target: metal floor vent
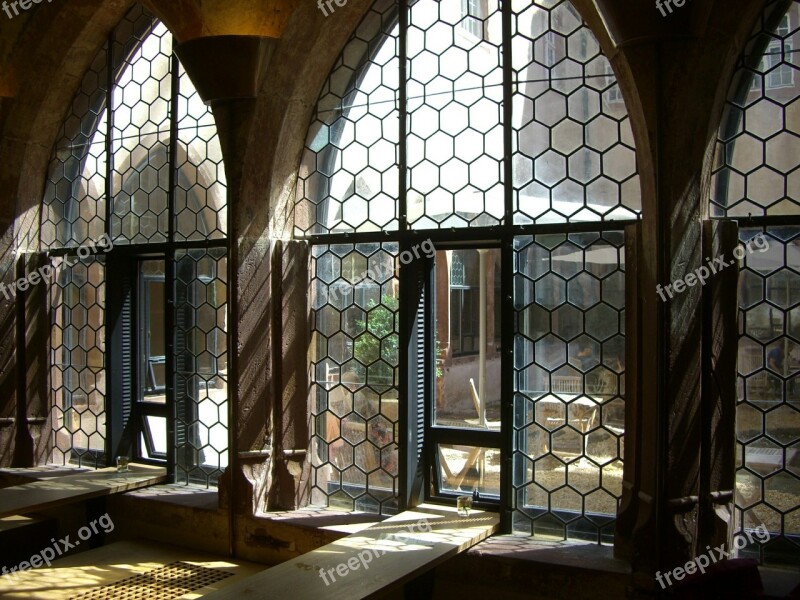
{"x": 165, "y": 583}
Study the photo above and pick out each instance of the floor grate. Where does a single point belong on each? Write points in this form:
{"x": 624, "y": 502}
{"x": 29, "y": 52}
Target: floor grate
{"x": 165, "y": 583}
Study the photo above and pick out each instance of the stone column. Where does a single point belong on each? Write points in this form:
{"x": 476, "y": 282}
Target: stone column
{"x": 227, "y": 70}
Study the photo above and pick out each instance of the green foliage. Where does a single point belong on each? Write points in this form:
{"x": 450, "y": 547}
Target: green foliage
{"x": 380, "y": 339}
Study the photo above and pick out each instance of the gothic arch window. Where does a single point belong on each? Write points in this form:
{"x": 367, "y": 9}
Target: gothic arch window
{"x": 134, "y": 223}
{"x": 756, "y": 181}
{"x": 404, "y": 176}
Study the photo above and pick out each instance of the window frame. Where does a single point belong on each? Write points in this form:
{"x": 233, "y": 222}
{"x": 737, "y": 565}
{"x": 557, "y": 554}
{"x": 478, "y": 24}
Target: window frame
{"x": 415, "y": 470}
{"x": 126, "y": 407}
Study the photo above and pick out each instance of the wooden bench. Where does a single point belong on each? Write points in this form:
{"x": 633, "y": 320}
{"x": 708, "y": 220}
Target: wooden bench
{"x": 50, "y": 493}
{"x": 372, "y": 561}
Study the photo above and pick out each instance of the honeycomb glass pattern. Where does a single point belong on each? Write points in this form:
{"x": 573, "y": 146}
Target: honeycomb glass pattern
{"x": 569, "y": 361}
{"x": 573, "y": 152}
{"x": 756, "y": 181}
{"x": 201, "y": 194}
{"x": 140, "y": 102}
{"x": 138, "y": 175}
{"x": 757, "y": 158}
{"x": 74, "y": 207}
{"x": 111, "y": 174}
{"x": 201, "y": 364}
{"x": 348, "y": 178}
{"x": 77, "y": 362}
{"x": 768, "y": 409}
{"x": 573, "y": 155}
{"x": 455, "y": 96}
{"x": 354, "y": 398}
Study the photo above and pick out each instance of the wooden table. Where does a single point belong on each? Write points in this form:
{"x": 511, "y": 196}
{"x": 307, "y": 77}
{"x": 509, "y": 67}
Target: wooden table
{"x": 49, "y": 493}
{"x": 388, "y": 554}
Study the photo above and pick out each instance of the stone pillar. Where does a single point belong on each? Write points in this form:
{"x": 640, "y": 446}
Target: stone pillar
{"x": 8, "y": 370}
{"x": 34, "y": 431}
{"x": 292, "y": 412}
{"x": 227, "y": 70}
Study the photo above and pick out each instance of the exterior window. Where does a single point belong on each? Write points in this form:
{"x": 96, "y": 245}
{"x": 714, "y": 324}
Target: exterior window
{"x": 613, "y": 93}
{"x": 140, "y": 322}
{"x": 464, "y": 303}
{"x": 473, "y": 14}
{"x": 550, "y": 44}
{"x": 511, "y": 373}
{"x": 778, "y": 59}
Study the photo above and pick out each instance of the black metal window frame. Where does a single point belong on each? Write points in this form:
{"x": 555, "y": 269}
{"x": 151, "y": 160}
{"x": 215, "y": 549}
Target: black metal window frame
{"x": 150, "y": 384}
{"x": 750, "y": 79}
{"x": 417, "y": 459}
{"x": 438, "y": 435}
{"x": 416, "y": 480}
{"x": 124, "y": 411}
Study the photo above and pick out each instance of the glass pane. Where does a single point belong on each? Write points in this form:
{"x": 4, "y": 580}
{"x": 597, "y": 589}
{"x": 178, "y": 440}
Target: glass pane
{"x": 355, "y": 355}
{"x": 74, "y": 206}
{"x": 756, "y": 157}
{"x": 201, "y": 364}
{"x": 154, "y": 438}
{"x": 574, "y": 157}
{"x": 464, "y": 469}
{"x": 768, "y": 413}
{"x": 152, "y": 368}
{"x": 140, "y": 142}
{"x": 77, "y": 359}
{"x": 569, "y": 358}
{"x": 455, "y": 92}
{"x": 201, "y": 194}
{"x": 468, "y": 357}
{"x": 348, "y": 178}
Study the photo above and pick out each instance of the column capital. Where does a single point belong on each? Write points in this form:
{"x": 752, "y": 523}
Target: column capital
{"x": 226, "y": 67}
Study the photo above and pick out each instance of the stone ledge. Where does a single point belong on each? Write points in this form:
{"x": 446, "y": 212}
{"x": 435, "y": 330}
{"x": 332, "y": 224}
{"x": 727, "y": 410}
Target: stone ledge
{"x": 518, "y": 566}
{"x": 182, "y": 495}
{"x": 573, "y": 554}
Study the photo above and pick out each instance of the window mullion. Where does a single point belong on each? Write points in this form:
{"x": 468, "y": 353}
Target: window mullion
{"x": 169, "y": 264}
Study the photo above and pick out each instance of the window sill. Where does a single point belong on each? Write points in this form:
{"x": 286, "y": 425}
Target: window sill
{"x": 188, "y": 496}
{"x": 325, "y": 519}
{"x": 572, "y": 554}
